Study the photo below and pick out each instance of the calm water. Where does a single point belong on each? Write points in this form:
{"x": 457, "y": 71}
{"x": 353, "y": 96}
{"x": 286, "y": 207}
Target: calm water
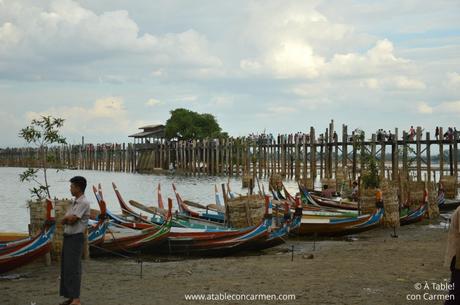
{"x": 14, "y": 214}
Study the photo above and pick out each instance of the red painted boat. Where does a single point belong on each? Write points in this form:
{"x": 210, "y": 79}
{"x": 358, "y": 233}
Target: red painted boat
{"x": 15, "y": 254}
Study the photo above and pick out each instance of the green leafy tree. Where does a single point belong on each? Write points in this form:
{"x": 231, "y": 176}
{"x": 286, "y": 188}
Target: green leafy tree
{"x": 41, "y": 133}
{"x": 370, "y": 177}
{"x": 187, "y": 125}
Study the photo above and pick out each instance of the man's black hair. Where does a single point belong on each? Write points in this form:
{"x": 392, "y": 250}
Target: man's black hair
{"x": 80, "y": 182}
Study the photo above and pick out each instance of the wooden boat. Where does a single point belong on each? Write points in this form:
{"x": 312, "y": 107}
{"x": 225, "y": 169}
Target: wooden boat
{"x": 97, "y": 231}
{"x": 206, "y": 214}
{"x": 17, "y": 253}
{"x": 215, "y": 207}
{"x": 324, "y": 202}
{"x": 407, "y": 216}
{"x": 449, "y": 205}
{"x": 311, "y": 208}
{"x": 290, "y": 224}
{"x": 189, "y": 234}
{"x": 126, "y": 242}
{"x": 214, "y": 242}
{"x": 206, "y": 238}
{"x": 338, "y": 223}
{"x": 127, "y": 220}
{"x": 127, "y": 211}
{"x": 340, "y": 226}
{"x": 11, "y": 236}
{"x": 157, "y": 215}
{"x": 334, "y": 204}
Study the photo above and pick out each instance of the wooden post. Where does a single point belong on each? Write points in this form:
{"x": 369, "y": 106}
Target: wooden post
{"x": 194, "y": 157}
{"x": 451, "y": 158}
{"x": 336, "y": 156}
{"x": 382, "y": 159}
{"x": 394, "y": 156}
{"x": 373, "y": 146}
{"x": 455, "y": 153}
{"x": 404, "y": 156}
{"x": 354, "y": 156}
{"x": 428, "y": 156}
{"x": 297, "y": 158}
{"x": 305, "y": 157}
{"x": 313, "y": 171}
{"x": 230, "y": 152}
{"x": 441, "y": 154}
{"x": 363, "y": 151}
{"x": 344, "y": 146}
{"x": 326, "y": 153}
{"x": 330, "y": 147}
{"x": 418, "y": 153}
{"x": 283, "y": 153}
{"x": 321, "y": 159}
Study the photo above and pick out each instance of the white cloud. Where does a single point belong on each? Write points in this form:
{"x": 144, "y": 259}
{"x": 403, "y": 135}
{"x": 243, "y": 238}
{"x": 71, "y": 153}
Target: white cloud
{"x": 222, "y": 101}
{"x": 424, "y": 108}
{"x": 400, "y": 82}
{"x": 63, "y": 35}
{"x": 371, "y": 83}
{"x": 377, "y": 60}
{"x": 274, "y": 111}
{"x": 296, "y": 59}
{"x": 106, "y": 116}
{"x": 153, "y": 102}
{"x": 403, "y": 82}
{"x": 451, "y": 107}
{"x": 337, "y": 57}
{"x": 453, "y": 80}
{"x": 447, "y": 107}
{"x": 292, "y": 59}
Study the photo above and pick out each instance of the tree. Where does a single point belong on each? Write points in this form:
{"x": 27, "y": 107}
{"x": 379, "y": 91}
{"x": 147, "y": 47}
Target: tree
{"x": 370, "y": 176}
{"x": 187, "y": 125}
{"x": 41, "y": 133}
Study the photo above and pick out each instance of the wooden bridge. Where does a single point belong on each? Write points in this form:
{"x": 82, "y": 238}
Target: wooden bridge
{"x": 294, "y": 156}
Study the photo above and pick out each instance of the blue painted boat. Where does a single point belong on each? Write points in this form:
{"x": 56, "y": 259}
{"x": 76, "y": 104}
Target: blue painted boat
{"x": 15, "y": 254}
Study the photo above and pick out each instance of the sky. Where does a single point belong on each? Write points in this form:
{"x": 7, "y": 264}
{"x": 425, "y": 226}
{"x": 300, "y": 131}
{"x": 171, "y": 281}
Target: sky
{"x": 110, "y": 66}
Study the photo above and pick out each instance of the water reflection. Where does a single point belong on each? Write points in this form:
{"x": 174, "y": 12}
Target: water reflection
{"x": 14, "y": 214}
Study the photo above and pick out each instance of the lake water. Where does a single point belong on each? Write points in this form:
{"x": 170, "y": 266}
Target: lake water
{"x": 14, "y": 214}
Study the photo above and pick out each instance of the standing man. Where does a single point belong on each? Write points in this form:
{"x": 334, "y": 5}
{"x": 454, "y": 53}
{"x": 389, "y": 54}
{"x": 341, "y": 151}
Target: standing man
{"x": 453, "y": 257}
{"x": 75, "y": 222}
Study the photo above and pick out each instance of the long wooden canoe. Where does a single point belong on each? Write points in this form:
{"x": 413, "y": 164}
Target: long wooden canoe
{"x": 15, "y": 254}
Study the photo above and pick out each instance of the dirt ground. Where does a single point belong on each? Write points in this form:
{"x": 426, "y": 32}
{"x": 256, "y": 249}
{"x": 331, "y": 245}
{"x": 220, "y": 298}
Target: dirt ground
{"x": 368, "y": 268}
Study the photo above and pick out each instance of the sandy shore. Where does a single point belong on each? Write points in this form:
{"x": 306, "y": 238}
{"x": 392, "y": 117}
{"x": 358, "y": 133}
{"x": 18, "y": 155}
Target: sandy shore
{"x": 374, "y": 269}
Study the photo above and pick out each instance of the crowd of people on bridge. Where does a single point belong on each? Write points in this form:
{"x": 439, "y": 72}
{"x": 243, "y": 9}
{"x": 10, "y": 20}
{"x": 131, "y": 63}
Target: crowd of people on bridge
{"x": 381, "y": 136}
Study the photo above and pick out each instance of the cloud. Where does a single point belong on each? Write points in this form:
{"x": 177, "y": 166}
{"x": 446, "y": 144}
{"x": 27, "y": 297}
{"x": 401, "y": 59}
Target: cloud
{"x": 378, "y": 59}
{"x": 105, "y": 116}
{"x": 153, "y": 102}
{"x": 446, "y": 108}
{"x": 222, "y": 101}
{"x": 453, "y": 80}
{"x": 287, "y": 59}
{"x": 297, "y": 60}
{"x": 60, "y": 38}
{"x": 276, "y": 111}
{"x": 424, "y": 108}
{"x": 451, "y": 107}
{"x": 401, "y": 82}
{"x": 292, "y": 59}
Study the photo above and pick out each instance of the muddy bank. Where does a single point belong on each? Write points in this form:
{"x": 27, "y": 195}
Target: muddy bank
{"x": 372, "y": 268}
